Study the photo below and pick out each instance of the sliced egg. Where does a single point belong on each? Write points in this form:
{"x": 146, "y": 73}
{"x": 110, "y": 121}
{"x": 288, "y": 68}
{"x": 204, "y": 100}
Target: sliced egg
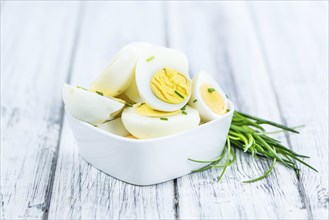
{"x": 208, "y": 97}
{"x": 162, "y": 78}
{"x": 132, "y": 92}
{"x": 124, "y": 98}
{"x": 114, "y": 126}
{"x": 118, "y": 76}
{"x": 131, "y": 137}
{"x": 90, "y": 107}
{"x": 144, "y": 122}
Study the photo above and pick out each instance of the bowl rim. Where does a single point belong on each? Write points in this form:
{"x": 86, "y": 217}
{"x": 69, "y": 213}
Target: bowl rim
{"x": 150, "y": 140}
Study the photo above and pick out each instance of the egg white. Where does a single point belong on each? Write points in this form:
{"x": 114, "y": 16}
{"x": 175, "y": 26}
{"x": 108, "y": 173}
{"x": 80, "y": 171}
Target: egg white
{"x": 114, "y": 126}
{"x": 89, "y": 106}
{"x": 132, "y": 92}
{"x": 118, "y": 76}
{"x": 163, "y": 58}
{"x": 144, "y": 127}
{"x": 205, "y": 112}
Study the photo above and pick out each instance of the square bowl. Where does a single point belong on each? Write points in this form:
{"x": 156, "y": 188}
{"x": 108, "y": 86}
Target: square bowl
{"x": 151, "y": 161}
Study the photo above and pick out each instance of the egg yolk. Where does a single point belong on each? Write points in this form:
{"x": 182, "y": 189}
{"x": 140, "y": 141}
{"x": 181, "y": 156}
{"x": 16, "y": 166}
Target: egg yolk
{"x": 146, "y": 110}
{"x": 170, "y": 86}
{"x": 131, "y": 136}
{"x": 213, "y": 99}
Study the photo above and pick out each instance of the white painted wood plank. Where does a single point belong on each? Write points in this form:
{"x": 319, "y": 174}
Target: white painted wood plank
{"x": 80, "y": 190}
{"x": 298, "y": 62}
{"x": 220, "y": 38}
{"x": 36, "y": 44}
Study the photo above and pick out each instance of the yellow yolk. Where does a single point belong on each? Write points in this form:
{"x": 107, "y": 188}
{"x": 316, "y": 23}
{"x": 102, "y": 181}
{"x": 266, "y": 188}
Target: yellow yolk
{"x": 145, "y": 110}
{"x": 170, "y": 86}
{"x": 213, "y": 99}
{"x": 131, "y": 137}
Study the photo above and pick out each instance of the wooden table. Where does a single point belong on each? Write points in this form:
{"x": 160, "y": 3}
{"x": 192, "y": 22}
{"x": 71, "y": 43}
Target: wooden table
{"x": 270, "y": 57}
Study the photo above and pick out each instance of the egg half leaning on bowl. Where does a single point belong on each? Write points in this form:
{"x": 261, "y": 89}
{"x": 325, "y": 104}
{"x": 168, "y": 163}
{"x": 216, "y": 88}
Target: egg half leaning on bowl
{"x": 208, "y": 97}
{"x": 91, "y": 107}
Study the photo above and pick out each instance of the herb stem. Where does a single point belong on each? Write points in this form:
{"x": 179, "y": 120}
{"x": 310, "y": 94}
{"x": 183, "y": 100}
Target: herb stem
{"x": 248, "y": 135}
{"x": 263, "y": 176}
{"x": 180, "y": 95}
{"x": 150, "y": 58}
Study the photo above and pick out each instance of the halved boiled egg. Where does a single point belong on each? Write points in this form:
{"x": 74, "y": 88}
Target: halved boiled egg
{"x": 132, "y": 92}
{"x": 144, "y": 122}
{"x": 91, "y": 107}
{"x": 118, "y": 76}
{"x": 114, "y": 126}
{"x": 208, "y": 97}
{"x": 130, "y": 136}
{"x": 162, "y": 78}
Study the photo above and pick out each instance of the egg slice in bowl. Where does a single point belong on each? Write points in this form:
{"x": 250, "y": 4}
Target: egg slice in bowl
{"x": 162, "y": 78}
{"x": 119, "y": 74}
{"x": 114, "y": 126}
{"x": 208, "y": 97}
{"x": 144, "y": 122}
{"x": 91, "y": 107}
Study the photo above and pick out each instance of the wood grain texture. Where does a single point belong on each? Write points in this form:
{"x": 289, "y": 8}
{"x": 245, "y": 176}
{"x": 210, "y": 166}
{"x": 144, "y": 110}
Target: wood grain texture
{"x": 270, "y": 57}
{"x": 298, "y": 65}
{"x": 222, "y": 39}
{"x": 35, "y": 55}
{"x": 80, "y": 190}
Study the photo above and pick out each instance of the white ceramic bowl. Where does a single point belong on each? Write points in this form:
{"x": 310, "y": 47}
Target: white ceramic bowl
{"x": 151, "y": 161}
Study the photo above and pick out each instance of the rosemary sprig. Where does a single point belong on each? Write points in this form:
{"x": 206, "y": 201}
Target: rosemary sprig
{"x": 248, "y": 135}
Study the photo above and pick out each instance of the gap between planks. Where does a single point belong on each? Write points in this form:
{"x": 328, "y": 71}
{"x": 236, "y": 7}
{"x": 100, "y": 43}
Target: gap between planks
{"x": 301, "y": 189}
{"x": 126, "y": 200}
{"x": 54, "y": 161}
{"x": 167, "y": 44}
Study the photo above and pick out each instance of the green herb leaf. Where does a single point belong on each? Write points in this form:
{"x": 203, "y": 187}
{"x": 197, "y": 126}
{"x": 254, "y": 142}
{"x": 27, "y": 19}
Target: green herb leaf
{"x": 99, "y": 93}
{"x": 82, "y": 88}
{"x": 180, "y": 95}
{"x": 247, "y": 134}
{"x": 195, "y": 100}
{"x": 128, "y": 104}
{"x": 183, "y": 108}
{"x": 150, "y": 58}
{"x": 108, "y": 120}
{"x": 263, "y": 176}
{"x": 164, "y": 119}
{"x": 211, "y": 90}
{"x": 184, "y": 112}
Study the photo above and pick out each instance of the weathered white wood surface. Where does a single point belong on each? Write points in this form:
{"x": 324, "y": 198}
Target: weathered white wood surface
{"x": 238, "y": 64}
{"x": 271, "y": 59}
{"x": 36, "y": 48}
{"x": 81, "y": 191}
{"x": 298, "y": 67}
